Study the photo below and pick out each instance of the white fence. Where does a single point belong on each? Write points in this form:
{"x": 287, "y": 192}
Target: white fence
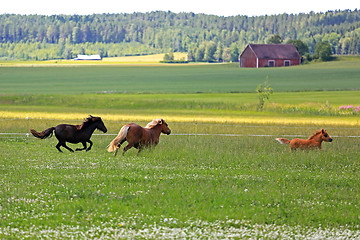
{"x": 14, "y": 135}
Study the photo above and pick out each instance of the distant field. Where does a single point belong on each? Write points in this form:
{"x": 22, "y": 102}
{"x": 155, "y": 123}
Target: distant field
{"x": 210, "y": 78}
{"x": 142, "y": 59}
{"x": 282, "y": 107}
{"x": 156, "y": 58}
{"x": 142, "y": 92}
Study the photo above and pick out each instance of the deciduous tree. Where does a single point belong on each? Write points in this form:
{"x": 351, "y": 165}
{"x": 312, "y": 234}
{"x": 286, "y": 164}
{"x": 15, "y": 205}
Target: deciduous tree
{"x": 275, "y": 39}
{"x": 323, "y": 51}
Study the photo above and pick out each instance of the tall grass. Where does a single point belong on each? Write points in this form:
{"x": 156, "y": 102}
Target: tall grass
{"x": 222, "y": 182}
{"x": 205, "y": 101}
{"x": 316, "y": 108}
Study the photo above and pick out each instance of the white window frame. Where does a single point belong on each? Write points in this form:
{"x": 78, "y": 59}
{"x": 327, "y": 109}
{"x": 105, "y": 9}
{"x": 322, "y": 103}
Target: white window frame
{"x": 271, "y": 61}
{"x": 287, "y": 61}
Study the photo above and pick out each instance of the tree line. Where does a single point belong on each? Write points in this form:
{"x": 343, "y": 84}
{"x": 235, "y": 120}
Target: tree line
{"x": 203, "y": 37}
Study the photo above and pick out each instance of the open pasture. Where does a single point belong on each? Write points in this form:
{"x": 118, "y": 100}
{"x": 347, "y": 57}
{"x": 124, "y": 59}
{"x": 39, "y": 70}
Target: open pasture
{"x": 178, "y": 102}
{"x": 190, "y": 186}
{"x": 209, "y": 78}
{"x": 220, "y": 174}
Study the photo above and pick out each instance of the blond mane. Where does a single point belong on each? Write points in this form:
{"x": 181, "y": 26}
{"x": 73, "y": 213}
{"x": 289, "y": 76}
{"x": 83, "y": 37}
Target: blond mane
{"x": 153, "y": 123}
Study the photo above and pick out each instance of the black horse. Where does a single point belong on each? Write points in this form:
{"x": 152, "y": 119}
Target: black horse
{"x": 73, "y": 133}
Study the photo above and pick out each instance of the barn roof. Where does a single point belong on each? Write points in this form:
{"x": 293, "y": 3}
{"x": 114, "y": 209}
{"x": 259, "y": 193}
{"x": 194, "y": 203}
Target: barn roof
{"x": 275, "y": 51}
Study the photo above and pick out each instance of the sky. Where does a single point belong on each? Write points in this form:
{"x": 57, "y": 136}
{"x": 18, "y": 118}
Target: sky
{"x": 218, "y": 7}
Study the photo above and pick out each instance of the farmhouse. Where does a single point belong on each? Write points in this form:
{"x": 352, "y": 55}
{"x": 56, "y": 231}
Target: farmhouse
{"x": 88, "y": 57}
{"x": 269, "y": 55}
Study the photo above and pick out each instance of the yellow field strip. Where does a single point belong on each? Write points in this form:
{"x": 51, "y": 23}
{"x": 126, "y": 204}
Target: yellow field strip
{"x": 153, "y": 59}
{"x": 349, "y": 121}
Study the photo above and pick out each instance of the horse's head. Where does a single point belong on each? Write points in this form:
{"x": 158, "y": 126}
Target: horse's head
{"x": 164, "y": 127}
{"x": 325, "y": 136}
{"x": 99, "y": 123}
{"x": 159, "y": 124}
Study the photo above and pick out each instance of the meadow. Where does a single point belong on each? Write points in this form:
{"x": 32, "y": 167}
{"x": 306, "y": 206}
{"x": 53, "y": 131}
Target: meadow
{"x": 221, "y": 174}
{"x": 188, "y": 186}
{"x": 183, "y": 78}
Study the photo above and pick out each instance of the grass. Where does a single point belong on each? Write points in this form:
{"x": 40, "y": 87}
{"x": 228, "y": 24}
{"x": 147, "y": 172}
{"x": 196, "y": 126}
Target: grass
{"x": 209, "y": 78}
{"x": 178, "y": 101}
{"x": 283, "y": 108}
{"x": 186, "y": 182}
{"x": 228, "y": 178}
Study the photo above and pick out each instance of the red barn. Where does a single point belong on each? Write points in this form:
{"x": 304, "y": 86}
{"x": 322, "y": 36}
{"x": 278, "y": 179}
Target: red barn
{"x": 269, "y": 55}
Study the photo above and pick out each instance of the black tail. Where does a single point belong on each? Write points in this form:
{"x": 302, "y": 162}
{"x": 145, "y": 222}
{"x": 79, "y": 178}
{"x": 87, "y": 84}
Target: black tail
{"x": 44, "y": 134}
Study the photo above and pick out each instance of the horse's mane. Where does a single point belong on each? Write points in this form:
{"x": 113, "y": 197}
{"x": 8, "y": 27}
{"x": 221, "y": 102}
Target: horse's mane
{"x": 315, "y": 134}
{"x": 153, "y": 123}
{"x": 87, "y": 121}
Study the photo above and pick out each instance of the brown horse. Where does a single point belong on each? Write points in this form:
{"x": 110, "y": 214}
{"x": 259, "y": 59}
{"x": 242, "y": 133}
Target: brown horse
{"x": 139, "y": 137}
{"x": 314, "y": 141}
{"x": 73, "y": 133}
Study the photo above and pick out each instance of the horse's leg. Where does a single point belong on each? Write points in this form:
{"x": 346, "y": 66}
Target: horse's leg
{"x": 127, "y": 148}
{"x": 80, "y": 149}
{"x": 118, "y": 147}
{"x": 64, "y": 145}
{"x": 91, "y": 143}
{"x": 58, "y": 146}
{"x": 116, "y": 152}
{"x": 139, "y": 150}
{"x": 139, "y": 147}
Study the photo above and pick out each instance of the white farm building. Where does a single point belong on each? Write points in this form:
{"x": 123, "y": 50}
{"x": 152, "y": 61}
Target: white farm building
{"x": 88, "y": 57}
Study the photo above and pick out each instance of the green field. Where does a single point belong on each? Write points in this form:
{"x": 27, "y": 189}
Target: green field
{"x": 339, "y": 75}
{"x": 221, "y": 174}
{"x": 317, "y": 108}
{"x": 199, "y": 186}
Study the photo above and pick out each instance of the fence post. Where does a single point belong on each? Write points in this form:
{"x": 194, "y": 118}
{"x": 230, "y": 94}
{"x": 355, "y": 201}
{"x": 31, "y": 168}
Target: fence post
{"x": 27, "y": 134}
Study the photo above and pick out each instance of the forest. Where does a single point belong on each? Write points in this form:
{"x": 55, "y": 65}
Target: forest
{"x": 204, "y": 37}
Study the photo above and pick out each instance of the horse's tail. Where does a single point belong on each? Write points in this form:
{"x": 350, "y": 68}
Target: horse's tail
{"x": 44, "y": 134}
{"x": 283, "y": 140}
{"x": 120, "y": 138}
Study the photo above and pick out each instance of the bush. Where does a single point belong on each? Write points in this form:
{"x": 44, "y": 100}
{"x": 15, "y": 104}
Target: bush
{"x": 323, "y": 51}
{"x": 174, "y": 61}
